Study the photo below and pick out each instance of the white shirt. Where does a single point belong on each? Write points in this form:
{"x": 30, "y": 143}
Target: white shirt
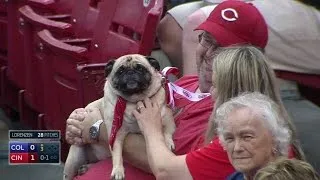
{"x": 294, "y": 35}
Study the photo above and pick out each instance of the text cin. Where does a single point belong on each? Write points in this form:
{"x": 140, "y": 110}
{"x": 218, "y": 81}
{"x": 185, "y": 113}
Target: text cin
{"x": 16, "y": 157}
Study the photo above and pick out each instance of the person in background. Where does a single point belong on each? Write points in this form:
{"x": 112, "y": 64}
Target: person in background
{"x": 288, "y": 169}
{"x": 170, "y": 29}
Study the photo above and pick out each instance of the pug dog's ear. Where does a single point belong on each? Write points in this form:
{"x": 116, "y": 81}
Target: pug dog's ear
{"x": 153, "y": 62}
{"x": 108, "y": 67}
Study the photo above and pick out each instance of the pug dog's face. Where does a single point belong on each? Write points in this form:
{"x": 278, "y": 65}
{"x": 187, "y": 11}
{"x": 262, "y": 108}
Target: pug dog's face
{"x": 134, "y": 76}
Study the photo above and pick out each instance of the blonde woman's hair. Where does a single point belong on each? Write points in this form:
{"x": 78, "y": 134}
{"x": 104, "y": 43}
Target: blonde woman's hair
{"x": 288, "y": 169}
{"x": 242, "y": 69}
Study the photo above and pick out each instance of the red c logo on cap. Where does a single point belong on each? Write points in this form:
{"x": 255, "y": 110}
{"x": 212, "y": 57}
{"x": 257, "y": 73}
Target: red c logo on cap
{"x": 233, "y": 11}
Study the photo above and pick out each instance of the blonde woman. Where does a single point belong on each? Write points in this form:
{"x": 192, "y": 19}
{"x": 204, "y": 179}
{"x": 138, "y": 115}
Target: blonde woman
{"x": 245, "y": 69}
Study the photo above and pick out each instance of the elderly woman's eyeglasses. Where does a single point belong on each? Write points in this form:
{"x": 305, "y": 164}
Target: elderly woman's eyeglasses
{"x": 206, "y": 41}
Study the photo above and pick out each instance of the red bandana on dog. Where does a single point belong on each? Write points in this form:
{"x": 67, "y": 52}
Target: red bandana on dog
{"x": 118, "y": 119}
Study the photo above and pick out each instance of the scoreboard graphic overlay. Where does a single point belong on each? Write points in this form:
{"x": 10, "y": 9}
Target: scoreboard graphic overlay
{"x": 34, "y": 147}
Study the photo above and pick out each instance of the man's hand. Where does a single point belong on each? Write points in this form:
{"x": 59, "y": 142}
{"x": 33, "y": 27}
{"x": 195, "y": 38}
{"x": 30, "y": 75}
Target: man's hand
{"x": 79, "y": 123}
{"x": 73, "y": 128}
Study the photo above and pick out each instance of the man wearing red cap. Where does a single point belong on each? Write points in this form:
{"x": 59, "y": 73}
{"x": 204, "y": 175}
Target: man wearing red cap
{"x": 232, "y": 22}
{"x": 293, "y": 33}
{"x": 236, "y": 23}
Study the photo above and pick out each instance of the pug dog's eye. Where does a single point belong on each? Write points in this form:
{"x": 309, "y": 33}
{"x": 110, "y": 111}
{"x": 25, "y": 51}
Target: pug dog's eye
{"x": 121, "y": 69}
{"x": 139, "y": 67}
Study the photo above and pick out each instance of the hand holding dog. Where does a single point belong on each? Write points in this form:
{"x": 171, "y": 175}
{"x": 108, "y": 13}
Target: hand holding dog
{"x": 79, "y": 123}
{"x": 73, "y": 127}
{"x": 148, "y": 115}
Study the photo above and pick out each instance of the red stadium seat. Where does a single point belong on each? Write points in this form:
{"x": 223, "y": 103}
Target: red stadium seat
{"x": 72, "y": 79}
{"x": 79, "y": 23}
{"x": 13, "y": 73}
{"x": 9, "y": 89}
{"x": 309, "y": 84}
{"x": 3, "y": 34}
{"x": 3, "y": 41}
{"x": 50, "y": 7}
{"x": 310, "y": 80}
{"x": 15, "y": 40}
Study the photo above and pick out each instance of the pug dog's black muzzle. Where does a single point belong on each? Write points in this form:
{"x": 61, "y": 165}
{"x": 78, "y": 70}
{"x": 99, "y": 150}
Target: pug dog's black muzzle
{"x": 132, "y": 80}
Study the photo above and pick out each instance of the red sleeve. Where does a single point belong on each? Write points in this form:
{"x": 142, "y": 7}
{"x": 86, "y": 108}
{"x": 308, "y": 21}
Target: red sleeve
{"x": 210, "y": 162}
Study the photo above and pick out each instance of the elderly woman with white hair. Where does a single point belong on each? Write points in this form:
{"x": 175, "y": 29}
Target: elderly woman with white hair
{"x": 253, "y": 132}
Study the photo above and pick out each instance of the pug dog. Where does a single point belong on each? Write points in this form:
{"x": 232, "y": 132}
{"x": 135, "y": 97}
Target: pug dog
{"x": 133, "y": 78}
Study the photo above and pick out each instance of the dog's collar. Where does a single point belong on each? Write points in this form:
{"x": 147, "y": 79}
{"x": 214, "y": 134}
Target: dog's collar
{"x": 119, "y": 109}
{"x": 166, "y": 84}
{"x": 172, "y": 88}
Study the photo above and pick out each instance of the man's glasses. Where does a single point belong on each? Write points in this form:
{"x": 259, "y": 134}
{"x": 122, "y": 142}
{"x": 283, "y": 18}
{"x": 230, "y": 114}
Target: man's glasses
{"x": 208, "y": 42}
